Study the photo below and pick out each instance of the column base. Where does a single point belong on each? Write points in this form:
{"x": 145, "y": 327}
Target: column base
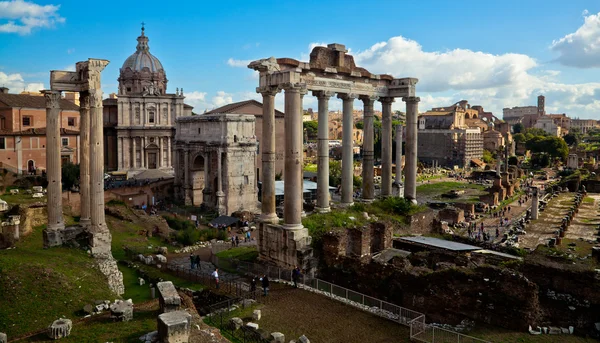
{"x": 346, "y": 204}
{"x": 293, "y": 227}
{"x": 412, "y": 201}
{"x": 322, "y": 209}
{"x": 85, "y": 222}
{"x": 368, "y": 201}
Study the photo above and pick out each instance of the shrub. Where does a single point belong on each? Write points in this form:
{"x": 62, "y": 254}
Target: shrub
{"x": 395, "y": 205}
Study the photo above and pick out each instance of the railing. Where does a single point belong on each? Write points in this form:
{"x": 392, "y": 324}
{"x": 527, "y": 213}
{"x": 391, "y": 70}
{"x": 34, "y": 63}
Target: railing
{"x": 221, "y": 314}
{"x": 419, "y": 329}
{"x": 229, "y": 285}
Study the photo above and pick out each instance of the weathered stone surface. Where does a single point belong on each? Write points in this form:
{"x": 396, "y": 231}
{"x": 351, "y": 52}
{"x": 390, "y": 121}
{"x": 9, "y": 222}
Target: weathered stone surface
{"x": 303, "y": 339}
{"x": 108, "y": 267}
{"x": 256, "y": 315}
{"x": 277, "y": 337}
{"x": 161, "y": 258}
{"x": 3, "y": 338}
{"x": 168, "y": 297}
{"x": 236, "y": 323}
{"x": 60, "y": 328}
{"x": 141, "y": 281}
{"x": 174, "y": 327}
{"x": 252, "y": 325}
{"x": 122, "y": 311}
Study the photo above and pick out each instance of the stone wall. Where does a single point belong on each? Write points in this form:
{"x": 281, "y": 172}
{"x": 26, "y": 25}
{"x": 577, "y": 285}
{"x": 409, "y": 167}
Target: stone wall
{"x": 285, "y": 248}
{"x": 469, "y": 209}
{"x": 421, "y": 223}
{"x": 451, "y": 215}
{"x": 32, "y": 215}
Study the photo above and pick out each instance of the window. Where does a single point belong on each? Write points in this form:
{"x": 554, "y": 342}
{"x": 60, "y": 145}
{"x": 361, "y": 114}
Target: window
{"x": 129, "y": 89}
{"x": 2, "y": 123}
{"x": 65, "y": 141}
{"x": 2, "y": 143}
{"x": 34, "y": 143}
{"x": 151, "y": 117}
{"x": 27, "y": 121}
{"x": 71, "y": 121}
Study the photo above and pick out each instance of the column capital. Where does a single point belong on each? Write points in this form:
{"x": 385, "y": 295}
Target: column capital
{"x": 386, "y": 99}
{"x": 52, "y": 98}
{"x": 323, "y": 94}
{"x": 347, "y": 96}
{"x": 368, "y": 99}
{"x": 411, "y": 99}
{"x": 95, "y": 98}
{"x": 268, "y": 90}
{"x": 84, "y": 100}
{"x": 293, "y": 87}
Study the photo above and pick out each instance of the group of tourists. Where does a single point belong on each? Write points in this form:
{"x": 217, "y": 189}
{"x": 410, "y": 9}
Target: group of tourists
{"x": 194, "y": 261}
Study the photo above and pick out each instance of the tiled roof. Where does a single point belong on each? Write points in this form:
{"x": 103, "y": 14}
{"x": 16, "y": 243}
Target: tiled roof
{"x": 32, "y": 101}
{"x": 234, "y": 106}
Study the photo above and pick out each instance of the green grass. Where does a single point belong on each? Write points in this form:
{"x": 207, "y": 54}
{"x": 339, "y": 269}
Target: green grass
{"x": 588, "y": 200}
{"x": 38, "y": 285}
{"x": 495, "y": 334}
{"x": 133, "y": 290}
{"x": 21, "y": 198}
{"x": 310, "y": 167}
{"x": 248, "y": 254}
{"x": 126, "y": 234}
{"x": 446, "y": 186}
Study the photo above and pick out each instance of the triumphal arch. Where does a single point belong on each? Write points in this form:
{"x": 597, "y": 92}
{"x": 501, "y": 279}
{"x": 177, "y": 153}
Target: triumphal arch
{"x": 330, "y": 71}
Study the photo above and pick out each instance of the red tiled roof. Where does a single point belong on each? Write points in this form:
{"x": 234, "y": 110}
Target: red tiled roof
{"x": 32, "y": 101}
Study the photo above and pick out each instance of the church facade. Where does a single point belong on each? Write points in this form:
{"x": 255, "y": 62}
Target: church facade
{"x": 139, "y": 121}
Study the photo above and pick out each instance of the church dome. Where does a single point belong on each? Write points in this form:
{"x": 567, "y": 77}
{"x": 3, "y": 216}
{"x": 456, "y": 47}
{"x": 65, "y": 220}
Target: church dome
{"x": 142, "y": 57}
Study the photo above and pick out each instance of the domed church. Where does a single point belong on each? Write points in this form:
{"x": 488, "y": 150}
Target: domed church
{"x": 140, "y": 119}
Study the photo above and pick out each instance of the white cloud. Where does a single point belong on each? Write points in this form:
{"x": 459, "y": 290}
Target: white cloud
{"x": 17, "y": 84}
{"x": 222, "y": 99}
{"x": 196, "y": 99}
{"x": 238, "y": 63}
{"x": 19, "y": 16}
{"x": 580, "y": 49}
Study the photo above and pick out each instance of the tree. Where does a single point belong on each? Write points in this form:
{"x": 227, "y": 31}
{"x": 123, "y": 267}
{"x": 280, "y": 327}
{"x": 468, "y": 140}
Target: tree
{"x": 487, "y": 157}
{"x": 70, "y": 175}
{"x": 572, "y": 138}
{"x": 311, "y": 128}
{"x": 519, "y": 138}
{"x": 335, "y": 173}
{"x": 359, "y": 125}
{"x": 553, "y": 146}
{"x": 518, "y": 128}
{"x": 536, "y": 132}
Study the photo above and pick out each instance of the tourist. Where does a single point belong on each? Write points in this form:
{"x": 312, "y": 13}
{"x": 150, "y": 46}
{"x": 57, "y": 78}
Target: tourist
{"x": 295, "y": 276}
{"x": 265, "y": 284}
{"x": 497, "y": 232}
{"x": 232, "y": 241}
{"x": 253, "y": 284}
{"x": 192, "y": 261}
{"x": 197, "y": 261}
{"x": 248, "y": 235}
{"x": 215, "y": 275}
{"x": 237, "y": 240}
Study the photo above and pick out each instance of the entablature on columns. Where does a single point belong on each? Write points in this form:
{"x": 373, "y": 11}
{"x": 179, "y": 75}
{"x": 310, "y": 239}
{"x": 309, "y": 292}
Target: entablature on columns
{"x": 85, "y": 78}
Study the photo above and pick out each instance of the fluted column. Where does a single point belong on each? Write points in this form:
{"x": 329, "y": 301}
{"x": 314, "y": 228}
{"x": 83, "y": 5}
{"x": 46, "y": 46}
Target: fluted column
{"x": 84, "y": 163}
{"x": 398, "y": 181}
{"x": 410, "y": 170}
{"x": 268, "y": 156}
{"x": 134, "y": 152}
{"x": 386, "y": 146}
{"x": 323, "y": 152}
{"x": 347, "y": 148}
{"x": 187, "y": 177}
{"x": 53, "y": 163}
{"x": 120, "y": 156}
{"x": 292, "y": 215}
{"x": 368, "y": 193}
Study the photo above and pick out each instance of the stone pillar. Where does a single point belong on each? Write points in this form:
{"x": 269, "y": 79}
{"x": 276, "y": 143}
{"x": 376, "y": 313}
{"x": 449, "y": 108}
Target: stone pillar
{"x": 134, "y": 153}
{"x": 220, "y": 194}
{"x": 535, "y": 203}
{"x": 292, "y": 215}
{"x": 410, "y": 170}
{"x": 347, "y": 148}
{"x": 398, "y": 183}
{"x": 101, "y": 238}
{"x": 268, "y": 156}
{"x": 187, "y": 178}
{"x": 386, "y": 146}
{"x": 84, "y": 163}
{"x": 160, "y": 153}
{"x": 323, "y": 152}
{"x": 53, "y": 165}
{"x": 368, "y": 193}
{"x": 169, "y": 153}
{"x": 143, "y": 153}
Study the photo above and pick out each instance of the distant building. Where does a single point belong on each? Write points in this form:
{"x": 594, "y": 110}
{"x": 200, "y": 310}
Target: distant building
{"x": 584, "y": 125}
{"x": 547, "y": 124}
{"x": 492, "y": 140}
{"x": 23, "y": 132}
{"x": 526, "y": 115}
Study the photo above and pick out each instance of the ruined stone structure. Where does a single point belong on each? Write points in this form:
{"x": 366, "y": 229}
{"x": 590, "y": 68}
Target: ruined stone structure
{"x": 330, "y": 70}
{"x": 86, "y": 81}
{"x": 216, "y": 161}
{"x": 142, "y": 136}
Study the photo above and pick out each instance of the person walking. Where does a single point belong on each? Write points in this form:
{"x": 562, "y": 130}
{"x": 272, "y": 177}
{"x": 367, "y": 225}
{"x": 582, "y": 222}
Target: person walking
{"x": 215, "y": 275}
{"x": 237, "y": 240}
{"x": 265, "y": 284}
{"x": 295, "y": 276}
{"x": 192, "y": 260}
{"x": 253, "y": 284}
{"x": 197, "y": 260}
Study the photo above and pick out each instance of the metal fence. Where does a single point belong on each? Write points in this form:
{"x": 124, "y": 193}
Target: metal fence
{"x": 419, "y": 329}
{"x": 229, "y": 285}
{"x": 221, "y": 315}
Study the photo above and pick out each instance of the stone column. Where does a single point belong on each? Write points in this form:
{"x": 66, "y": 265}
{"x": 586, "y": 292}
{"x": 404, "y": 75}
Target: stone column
{"x": 84, "y": 163}
{"x": 386, "y": 146}
{"x": 410, "y": 170}
{"x": 220, "y": 194}
{"x": 101, "y": 238}
{"x": 268, "y": 156}
{"x": 368, "y": 193}
{"x": 119, "y": 153}
{"x": 143, "y": 153}
{"x": 398, "y": 183}
{"x": 160, "y": 153}
{"x": 169, "y": 153}
{"x": 323, "y": 152}
{"x": 53, "y": 165}
{"x": 187, "y": 178}
{"x": 347, "y": 148}
{"x": 535, "y": 203}
{"x": 292, "y": 215}
{"x": 134, "y": 152}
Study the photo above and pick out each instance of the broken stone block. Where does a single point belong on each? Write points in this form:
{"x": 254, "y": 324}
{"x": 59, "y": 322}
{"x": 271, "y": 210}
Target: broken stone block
{"x": 236, "y": 323}
{"x": 122, "y": 311}
{"x": 163, "y": 250}
{"x": 161, "y": 258}
{"x": 553, "y": 330}
{"x": 149, "y": 260}
{"x": 277, "y": 337}
{"x": 141, "y": 281}
{"x": 60, "y": 328}
{"x": 174, "y": 327}
{"x": 168, "y": 297}
{"x": 256, "y": 315}
{"x": 3, "y": 338}
{"x": 303, "y": 339}
{"x": 252, "y": 325}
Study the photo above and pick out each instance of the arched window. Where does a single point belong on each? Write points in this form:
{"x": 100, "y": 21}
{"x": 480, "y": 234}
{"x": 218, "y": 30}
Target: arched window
{"x": 151, "y": 116}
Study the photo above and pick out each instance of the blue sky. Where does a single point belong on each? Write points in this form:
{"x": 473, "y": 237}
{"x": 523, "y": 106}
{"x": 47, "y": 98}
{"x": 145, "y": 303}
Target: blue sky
{"x": 492, "y": 53}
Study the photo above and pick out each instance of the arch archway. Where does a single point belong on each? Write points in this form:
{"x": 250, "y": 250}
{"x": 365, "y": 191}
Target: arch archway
{"x": 198, "y": 176}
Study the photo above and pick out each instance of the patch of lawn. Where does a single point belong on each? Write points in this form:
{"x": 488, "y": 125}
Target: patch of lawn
{"x": 248, "y": 254}
{"x": 588, "y": 200}
{"x": 125, "y": 233}
{"x": 133, "y": 290}
{"x": 446, "y": 186}
{"x": 22, "y": 198}
{"x": 310, "y": 167}
{"x": 494, "y": 334}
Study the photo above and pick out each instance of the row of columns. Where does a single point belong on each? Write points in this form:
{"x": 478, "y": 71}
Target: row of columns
{"x": 294, "y": 151}
{"x": 127, "y": 148}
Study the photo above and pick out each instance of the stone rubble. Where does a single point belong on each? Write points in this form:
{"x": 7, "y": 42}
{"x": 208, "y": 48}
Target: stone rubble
{"x": 122, "y": 310}
{"x": 3, "y": 338}
{"x": 60, "y": 328}
{"x": 256, "y": 315}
